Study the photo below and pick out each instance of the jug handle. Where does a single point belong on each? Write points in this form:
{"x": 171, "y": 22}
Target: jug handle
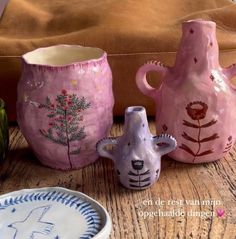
{"x": 170, "y": 143}
{"x": 230, "y": 72}
{"x": 101, "y": 147}
{"x": 141, "y": 79}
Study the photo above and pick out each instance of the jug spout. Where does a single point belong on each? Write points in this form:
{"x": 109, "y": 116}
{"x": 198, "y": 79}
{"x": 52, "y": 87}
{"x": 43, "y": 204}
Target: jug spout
{"x": 198, "y": 47}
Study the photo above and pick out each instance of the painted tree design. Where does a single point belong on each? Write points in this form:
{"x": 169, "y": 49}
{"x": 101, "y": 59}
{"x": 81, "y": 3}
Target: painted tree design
{"x": 65, "y": 118}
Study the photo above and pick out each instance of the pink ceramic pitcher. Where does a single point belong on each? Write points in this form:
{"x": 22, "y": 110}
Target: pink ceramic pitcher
{"x": 65, "y": 103}
{"x": 195, "y": 102}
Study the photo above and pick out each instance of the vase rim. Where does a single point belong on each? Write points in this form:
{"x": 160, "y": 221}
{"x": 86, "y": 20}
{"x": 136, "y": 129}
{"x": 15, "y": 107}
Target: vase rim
{"x": 63, "y": 55}
{"x": 199, "y": 21}
{"x": 135, "y": 109}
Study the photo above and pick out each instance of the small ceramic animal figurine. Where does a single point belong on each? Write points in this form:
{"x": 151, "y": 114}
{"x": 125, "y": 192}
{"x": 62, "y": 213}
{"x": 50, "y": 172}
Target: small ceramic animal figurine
{"x": 137, "y": 153}
{"x": 195, "y": 100}
{"x": 4, "y": 135}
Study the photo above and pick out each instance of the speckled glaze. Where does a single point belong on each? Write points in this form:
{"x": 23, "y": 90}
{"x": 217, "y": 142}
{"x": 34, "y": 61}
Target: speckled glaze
{"x": 195, "y": 102}
{"x": 63, "y": 109}
{"x": 137, "y": 153}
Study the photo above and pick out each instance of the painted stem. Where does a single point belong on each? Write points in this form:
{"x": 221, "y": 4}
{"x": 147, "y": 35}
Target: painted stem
{"x": 139, "y": 179}
{"x": 198, "y": 140}
{"x": 67, "y": 139}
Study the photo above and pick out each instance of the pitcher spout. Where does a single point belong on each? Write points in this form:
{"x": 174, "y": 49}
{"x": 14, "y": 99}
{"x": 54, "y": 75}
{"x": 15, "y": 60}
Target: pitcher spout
{"x": 198, "y": 47}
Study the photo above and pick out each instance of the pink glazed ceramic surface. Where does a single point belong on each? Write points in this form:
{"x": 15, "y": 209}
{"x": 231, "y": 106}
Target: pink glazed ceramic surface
{"x": 195, "y": 102}
{"x": 65, "y": 104}
{"x": 137, "y": 153}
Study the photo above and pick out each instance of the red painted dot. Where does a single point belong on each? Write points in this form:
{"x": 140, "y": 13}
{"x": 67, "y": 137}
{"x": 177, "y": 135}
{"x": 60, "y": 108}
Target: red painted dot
{"x": 164, "y": 127}
{"x": 64, "y": 92}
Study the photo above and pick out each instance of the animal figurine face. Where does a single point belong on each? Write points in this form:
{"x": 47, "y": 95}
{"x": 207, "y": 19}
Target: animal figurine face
{"x": 137, "y": 153}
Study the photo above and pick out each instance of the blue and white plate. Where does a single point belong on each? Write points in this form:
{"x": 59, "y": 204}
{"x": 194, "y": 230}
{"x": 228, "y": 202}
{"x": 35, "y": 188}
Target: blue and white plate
{"x": 52, "y": 213}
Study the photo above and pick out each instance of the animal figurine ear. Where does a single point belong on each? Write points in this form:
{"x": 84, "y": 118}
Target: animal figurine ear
{"x": 102, "y": 151}
{"x": 164, "y": 143}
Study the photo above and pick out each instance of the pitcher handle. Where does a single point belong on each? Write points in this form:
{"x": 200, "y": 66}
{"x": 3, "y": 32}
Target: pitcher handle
{"x": 141, "y": 79}
{"x": 101, "y": 147}
{"x": 170, "y": 143}
{"x": 230, "y": 72}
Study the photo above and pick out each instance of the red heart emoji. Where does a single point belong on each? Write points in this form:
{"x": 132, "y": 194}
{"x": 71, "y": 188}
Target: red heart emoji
{"x": 220, "y": 212}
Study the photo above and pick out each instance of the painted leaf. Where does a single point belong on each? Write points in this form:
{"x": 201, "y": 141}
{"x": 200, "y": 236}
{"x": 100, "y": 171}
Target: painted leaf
{"x": 134, "y": 186}
{"x": 133, "y": 174}
{"x": 186, "y": 123}
{"x": 228, "y": 147}
{"x": 186, "y": 136}
{"x": 209, "y": 124}
{"x": 213, "y": 137}
{"x": 205, "y": 153}
{"x": 145, "y": 173}
{"x": 187, "y": 149}
{"x": 51, "y": 115}
{"x": 77, "y": 151}
{"x": 50, "y": 131}
{"x": 145, "y": 179}
{"x": 133, "y": 180}
{"x": 140, "y": 186}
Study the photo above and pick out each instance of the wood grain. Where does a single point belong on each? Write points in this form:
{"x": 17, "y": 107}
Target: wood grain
{"x": 178, "y": 182}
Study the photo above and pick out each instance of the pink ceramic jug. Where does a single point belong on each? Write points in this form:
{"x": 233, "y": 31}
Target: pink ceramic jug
{"x": 194, "y": 102}
{"x": 65, "y": 103}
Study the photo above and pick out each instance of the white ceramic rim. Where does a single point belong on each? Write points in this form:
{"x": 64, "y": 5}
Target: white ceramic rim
{"x": 136, "y": 108}
{"x": 26, "y": 57}
{"x": 105, "y": 230}
{"x": 200, "y": 20}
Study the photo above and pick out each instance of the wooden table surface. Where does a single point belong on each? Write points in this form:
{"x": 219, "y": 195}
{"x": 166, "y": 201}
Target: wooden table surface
{"x": 194, "y": 191}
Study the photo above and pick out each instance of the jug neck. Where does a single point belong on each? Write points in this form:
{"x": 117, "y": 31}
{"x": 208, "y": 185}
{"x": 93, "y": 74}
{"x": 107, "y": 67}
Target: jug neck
{"x": 198, "y": 47}
{"x": 136, "y": 124}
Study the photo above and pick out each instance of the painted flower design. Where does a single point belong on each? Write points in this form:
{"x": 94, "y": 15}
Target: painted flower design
{"x": 197, "y": 110}
{"x": 137, "y": 164}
